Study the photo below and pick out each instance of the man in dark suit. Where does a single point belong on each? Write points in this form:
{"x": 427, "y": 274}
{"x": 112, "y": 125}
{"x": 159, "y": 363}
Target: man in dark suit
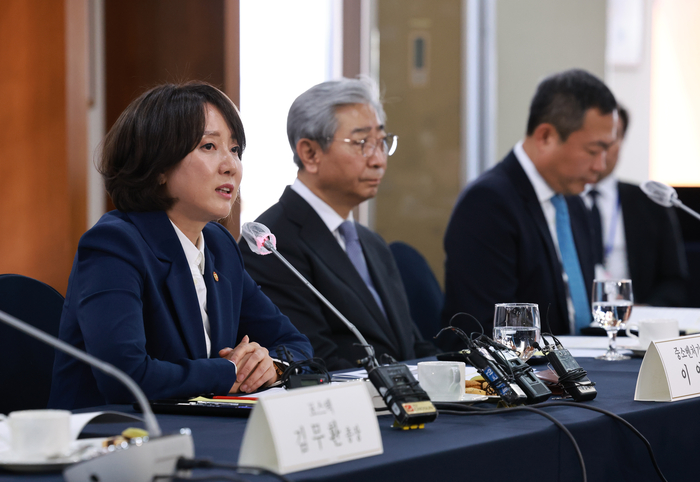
{"x": 513, "y": 236}
{"x": 634, "y": 237}
{"x": 336, "y": 132}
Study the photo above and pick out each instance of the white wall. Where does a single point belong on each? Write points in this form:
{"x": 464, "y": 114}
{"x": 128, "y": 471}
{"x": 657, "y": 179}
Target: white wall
{"x": 674, "y": 141}
{"x": 279, "y": 61}
{"x": 96, "y": 195}
{"x": 631, "y": 85}
{"x": 536, "y": 38}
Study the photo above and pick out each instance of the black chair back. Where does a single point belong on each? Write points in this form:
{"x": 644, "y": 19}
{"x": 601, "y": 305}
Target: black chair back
{"x": 26, "y": 364}
{"x": 425, "y": 297}
{"x": 692, "y": 252}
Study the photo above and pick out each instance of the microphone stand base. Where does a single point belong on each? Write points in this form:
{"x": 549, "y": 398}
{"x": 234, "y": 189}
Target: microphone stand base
{"x": 136, "y": 463}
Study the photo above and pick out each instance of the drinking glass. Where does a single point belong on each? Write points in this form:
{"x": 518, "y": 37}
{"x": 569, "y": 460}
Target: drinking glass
{"x": 612, "y": 306}
{"x": 517, "y": 325}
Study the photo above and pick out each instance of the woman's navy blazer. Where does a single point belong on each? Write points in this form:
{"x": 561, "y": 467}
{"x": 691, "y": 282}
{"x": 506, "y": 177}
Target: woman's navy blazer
{"x": 131, "y": 302}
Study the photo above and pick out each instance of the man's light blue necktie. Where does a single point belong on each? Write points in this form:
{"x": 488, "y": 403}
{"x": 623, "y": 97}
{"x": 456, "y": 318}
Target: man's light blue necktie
{"x": 569, "y": 258}
{"x": 354, "y": 250}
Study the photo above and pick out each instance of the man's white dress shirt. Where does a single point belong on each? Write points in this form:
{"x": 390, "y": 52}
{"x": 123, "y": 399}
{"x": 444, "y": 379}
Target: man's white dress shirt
{"x": 614, "y": 244}
{"x": 544, "y": 196}
{"x": 327, "y": 214}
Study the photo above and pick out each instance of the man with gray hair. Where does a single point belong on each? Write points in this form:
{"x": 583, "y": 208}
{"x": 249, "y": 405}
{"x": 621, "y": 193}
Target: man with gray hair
{"x": 336, "y": 132}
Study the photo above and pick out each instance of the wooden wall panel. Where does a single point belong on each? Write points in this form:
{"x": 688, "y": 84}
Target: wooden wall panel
{"x": 352, "y": 44}
{"x": 422, "y": 182}
{"x": 35, "y": 222}
{"x": 155, "y": 41}
{"x": 42, "y": 114}
{"x": 232, "y": 50}
{"x": 77, "y": 103}
{"x": 232, "y": 87}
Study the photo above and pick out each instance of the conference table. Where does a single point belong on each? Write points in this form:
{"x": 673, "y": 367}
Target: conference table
{"x": 506, "y": 446}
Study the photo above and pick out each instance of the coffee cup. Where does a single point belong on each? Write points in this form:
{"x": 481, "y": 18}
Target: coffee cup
{"x": 443, "y": 381}
{"x": 39, "y": 434}
{"x": 652, "y": 330}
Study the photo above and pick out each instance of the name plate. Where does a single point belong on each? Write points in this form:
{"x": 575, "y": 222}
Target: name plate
{"x": 670, "y": 370}
{"x": 311, "y": 427}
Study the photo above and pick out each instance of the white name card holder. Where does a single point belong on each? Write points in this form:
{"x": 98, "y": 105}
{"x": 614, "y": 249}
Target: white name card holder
{"x": 670, "y": 370}
{"x": 311, "y": 427}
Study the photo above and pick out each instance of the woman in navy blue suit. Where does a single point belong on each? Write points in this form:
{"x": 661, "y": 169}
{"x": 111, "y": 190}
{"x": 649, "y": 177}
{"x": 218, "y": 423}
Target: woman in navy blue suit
{"x": 158, "y": 288}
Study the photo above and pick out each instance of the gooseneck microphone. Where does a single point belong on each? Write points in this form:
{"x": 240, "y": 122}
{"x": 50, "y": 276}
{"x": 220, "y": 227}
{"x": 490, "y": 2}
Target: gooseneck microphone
{"x": 149, "y": 419}
{"x": 261, "y": 241}
{"x": 408, "y": 402}
{"x": 665, "y": 195}
{"x": 155, "y": 455}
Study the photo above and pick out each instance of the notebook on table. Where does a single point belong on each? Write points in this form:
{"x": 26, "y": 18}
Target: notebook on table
{"x": 217, "y": 406}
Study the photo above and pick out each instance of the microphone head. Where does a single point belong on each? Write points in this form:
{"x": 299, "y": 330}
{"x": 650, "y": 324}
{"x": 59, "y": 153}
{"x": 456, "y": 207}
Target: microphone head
{"x": 660, "y": 193}
{"x": 256, "y": 234}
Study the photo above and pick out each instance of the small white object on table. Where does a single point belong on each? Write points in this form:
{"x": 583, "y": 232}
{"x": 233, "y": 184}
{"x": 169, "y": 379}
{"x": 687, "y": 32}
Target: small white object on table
{"x": 587, "y": 346}
{"x": 592, "y": 346}
{"x": 688, "y": 318}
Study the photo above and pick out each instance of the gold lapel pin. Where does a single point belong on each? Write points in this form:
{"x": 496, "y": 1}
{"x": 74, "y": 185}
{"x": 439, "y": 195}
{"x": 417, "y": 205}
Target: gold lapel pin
{"x": 216, "y": 276}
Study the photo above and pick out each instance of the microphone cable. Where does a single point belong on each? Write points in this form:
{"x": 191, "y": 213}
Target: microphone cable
{"x": 574, "y": 375}
{"x": 315, "y": 365}
{"x": 583, "y": 372}
{"x": 189, "y": 464}
{"x": 644, "y": 440}
{"x": 456, "y": 409}
{"x": 471, "y": 335}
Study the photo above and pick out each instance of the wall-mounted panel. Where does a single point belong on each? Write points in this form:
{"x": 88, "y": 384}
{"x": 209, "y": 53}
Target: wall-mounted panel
{"x": 420, "y": 76}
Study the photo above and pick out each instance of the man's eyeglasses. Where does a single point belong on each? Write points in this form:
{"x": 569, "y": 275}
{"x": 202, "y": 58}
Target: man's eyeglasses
{"x": 387, "y": 144}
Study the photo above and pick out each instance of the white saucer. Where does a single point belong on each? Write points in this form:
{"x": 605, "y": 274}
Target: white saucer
{"x": 465, "y": 398}
{"x": 79, "y": 450}
{"x": 635, "y": 349}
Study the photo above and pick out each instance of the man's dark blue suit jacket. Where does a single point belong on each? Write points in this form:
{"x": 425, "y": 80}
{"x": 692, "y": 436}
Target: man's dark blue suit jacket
{"x": 131, "y": 301}
{"x": 305, "y": 241}
{"x": 655, "y": 251}
{"x": 499, "y": 250}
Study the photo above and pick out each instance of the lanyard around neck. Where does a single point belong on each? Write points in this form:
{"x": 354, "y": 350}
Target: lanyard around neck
{"x": 613, "y": 228}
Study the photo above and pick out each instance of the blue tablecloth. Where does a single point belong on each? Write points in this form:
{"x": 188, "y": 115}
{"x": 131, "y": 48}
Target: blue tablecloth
{"x": 514, "y": 446}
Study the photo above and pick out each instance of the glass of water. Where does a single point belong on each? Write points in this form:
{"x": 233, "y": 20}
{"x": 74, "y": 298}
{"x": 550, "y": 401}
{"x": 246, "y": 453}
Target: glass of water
{"x": 517, "y": 325}
{"x": 612, "y": 306}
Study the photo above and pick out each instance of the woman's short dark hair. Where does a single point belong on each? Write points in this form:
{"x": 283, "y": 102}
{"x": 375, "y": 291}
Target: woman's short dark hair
{"x": 153, "y": 134}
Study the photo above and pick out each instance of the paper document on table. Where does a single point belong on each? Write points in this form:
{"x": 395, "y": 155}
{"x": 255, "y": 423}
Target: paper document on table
{"x": 240, "y": 397}
{"x": 78, "y": 421}
{"x": 586, "y": 346}
{"x": 362, "y": 373}
{"x": 263, "y": 393}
